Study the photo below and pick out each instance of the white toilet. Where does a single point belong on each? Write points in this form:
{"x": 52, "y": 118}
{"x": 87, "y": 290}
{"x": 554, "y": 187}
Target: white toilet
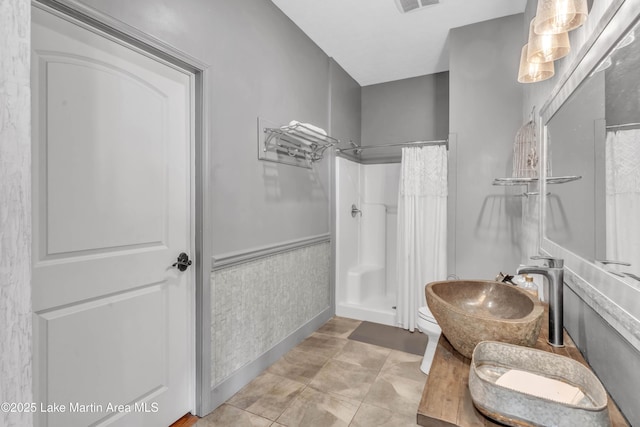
{"x": 428, "y": 325}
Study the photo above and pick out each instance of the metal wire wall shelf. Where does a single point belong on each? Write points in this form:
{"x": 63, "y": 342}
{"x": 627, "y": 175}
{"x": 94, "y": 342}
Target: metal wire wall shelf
{"x": 294, "y": 144}
{"x": 530, "y": 180}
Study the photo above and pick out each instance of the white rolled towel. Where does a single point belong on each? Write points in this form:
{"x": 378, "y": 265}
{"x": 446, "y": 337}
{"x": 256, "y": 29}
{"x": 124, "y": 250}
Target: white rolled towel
{"x": 305, "y": 129}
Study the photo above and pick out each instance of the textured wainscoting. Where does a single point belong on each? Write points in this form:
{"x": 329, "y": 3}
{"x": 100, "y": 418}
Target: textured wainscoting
{"x": 256, "y": 305}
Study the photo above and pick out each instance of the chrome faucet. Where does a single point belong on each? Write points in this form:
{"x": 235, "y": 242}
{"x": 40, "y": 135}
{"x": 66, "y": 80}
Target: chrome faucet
{"x": 554, "y": 273}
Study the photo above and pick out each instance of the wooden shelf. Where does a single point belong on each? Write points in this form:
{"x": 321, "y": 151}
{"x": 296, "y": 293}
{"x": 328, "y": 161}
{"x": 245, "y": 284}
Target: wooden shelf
{"x": 446, "y": 400}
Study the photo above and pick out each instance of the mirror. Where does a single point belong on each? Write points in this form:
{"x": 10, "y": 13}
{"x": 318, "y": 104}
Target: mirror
{"x": 595, "y": 134}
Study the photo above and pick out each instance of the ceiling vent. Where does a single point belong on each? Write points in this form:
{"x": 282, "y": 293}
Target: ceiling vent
{"x": 413, "y": 5}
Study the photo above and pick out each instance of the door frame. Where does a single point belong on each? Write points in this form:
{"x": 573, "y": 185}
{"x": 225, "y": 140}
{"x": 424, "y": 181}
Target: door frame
{"x": 200, "y": 226}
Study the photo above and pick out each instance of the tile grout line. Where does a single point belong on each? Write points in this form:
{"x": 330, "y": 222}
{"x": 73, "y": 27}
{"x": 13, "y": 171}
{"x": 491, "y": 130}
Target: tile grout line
{"x": 307, "y": 385}
{"x": 358, "y": 404}
{"x": 291, "y": 403}
{"x": 333, "y": 357}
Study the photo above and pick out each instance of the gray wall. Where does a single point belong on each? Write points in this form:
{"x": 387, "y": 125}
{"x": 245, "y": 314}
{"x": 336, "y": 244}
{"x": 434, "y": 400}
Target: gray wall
{"x": 485, "y": 102}
{"x": 263, "y": 65}
{"x": 414, "y": 109}
{"x": 15, "y": 210}
{"x": 346, "y": 109}
{"x": 612, "y": 357}
{"x": 406, "y": 110}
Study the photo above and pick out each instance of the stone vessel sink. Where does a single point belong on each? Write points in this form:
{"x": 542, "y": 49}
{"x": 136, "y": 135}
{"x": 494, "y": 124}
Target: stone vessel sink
{"x": 470, "y": 311}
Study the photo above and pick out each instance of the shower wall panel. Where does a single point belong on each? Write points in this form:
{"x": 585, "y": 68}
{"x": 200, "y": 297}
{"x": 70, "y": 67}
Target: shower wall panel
{"x": 347, "y": 228}
{"x": 365, "y": 244}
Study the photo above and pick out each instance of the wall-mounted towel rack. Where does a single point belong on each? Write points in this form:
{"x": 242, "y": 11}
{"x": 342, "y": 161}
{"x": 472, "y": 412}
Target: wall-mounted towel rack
{"x": 296, "y": 144}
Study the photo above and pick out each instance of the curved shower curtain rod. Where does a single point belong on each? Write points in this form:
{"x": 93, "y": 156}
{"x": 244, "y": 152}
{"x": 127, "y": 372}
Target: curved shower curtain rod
{"x": 624, "y": 125}
{"x": 359, "y": 148}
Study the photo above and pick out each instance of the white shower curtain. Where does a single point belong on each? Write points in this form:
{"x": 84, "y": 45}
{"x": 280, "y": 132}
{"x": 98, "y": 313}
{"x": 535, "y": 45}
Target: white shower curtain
{"x": 623, "y": 197}
{"x": 422, "y": 228}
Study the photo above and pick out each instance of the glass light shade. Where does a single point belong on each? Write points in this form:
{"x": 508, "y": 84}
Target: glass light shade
{"x": 560, "y": 16}
{"x": 531, "y": 72}
{"x": 546, "y": 47}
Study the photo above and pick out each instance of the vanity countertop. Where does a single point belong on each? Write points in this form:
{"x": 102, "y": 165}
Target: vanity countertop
{"x": 446, "y": 400}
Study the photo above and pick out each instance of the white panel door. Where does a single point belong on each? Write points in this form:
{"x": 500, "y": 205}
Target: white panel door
{"x": 112, "y": 209}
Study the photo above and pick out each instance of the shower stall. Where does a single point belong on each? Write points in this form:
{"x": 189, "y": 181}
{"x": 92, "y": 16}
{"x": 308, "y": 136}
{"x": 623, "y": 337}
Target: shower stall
{"x": 366, "y": 222}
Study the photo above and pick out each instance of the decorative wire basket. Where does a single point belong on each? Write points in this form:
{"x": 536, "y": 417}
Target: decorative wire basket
{"x": 525, "y": 152}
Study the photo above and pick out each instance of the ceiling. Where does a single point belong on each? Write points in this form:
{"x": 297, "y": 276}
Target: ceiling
{"x": 375, "y": 43}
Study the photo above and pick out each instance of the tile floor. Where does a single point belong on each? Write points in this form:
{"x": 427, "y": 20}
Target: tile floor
{"x": 328, "y": 380}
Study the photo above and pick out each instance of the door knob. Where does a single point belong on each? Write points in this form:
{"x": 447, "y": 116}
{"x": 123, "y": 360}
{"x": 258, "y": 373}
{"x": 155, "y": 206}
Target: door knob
{"x": 183, "y": 262}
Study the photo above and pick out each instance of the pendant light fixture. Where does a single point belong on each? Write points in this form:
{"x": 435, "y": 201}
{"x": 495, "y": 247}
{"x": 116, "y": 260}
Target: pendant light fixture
{"x": 546, "y": 47}
{"x": 531, "y": 72}
{"x": 560, "y": 16}
{"x": 549, "y": 38}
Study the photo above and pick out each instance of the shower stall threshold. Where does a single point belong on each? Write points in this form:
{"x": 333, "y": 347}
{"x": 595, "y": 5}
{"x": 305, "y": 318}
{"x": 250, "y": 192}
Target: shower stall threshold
{"x": 377, "y": 309}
